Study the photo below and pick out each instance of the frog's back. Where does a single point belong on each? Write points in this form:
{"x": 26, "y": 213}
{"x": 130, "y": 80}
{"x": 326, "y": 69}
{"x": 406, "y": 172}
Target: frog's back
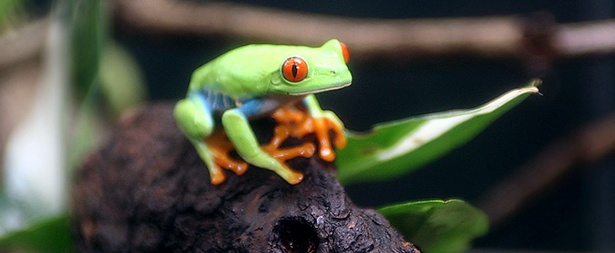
{"x": 244, "y": 71}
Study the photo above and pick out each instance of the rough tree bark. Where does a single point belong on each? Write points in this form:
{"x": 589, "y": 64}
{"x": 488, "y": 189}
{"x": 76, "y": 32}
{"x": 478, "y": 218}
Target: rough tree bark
{"x": 146, "y": 190}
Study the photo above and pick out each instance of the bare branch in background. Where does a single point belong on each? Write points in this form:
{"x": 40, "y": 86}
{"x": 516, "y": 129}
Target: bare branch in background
{"x": 411, "y": 39}
{"x": 512, "y": 37}
{"x": 589, "y": 38}
{"x": 367, "y": 37}
{"x": 559, "y": 159}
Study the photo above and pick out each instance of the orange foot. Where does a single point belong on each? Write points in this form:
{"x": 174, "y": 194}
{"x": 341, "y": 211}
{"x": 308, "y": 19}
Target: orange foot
{"x": 280, "y": 134}
{"x": 220, "y": 147}
{"x": 297, "y": 123}
{"x": 321, "y": 129}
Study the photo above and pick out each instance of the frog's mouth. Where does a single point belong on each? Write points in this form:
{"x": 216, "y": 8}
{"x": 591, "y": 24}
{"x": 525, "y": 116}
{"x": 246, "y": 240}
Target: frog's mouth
{"x": 334, "y": 87}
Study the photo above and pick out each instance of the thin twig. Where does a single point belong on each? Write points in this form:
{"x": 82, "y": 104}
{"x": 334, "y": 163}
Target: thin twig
{"x": 590, "y": 144}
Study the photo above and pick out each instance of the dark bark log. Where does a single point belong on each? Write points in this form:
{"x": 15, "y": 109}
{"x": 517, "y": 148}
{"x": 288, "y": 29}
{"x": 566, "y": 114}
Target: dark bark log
{"x": 147, "y": 191}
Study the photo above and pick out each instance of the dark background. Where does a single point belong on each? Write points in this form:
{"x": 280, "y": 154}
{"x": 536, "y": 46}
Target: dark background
{"x": 576, "y": 214}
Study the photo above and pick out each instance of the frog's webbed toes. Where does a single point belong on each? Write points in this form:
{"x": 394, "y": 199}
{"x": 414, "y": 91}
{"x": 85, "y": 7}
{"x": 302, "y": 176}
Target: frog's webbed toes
{"x": 228, "y": 163}
{"x": 293, "y": 122}
{"x": 220, "y": 147}
{"x": 322, "y": 128}
{"x": 336, "y": 125}
{"x": 280, "y": 134}
{"x": 289, "y": 127}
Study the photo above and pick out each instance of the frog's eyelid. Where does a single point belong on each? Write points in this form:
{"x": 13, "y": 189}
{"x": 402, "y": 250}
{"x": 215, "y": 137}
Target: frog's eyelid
{"x": 345, "y": 52}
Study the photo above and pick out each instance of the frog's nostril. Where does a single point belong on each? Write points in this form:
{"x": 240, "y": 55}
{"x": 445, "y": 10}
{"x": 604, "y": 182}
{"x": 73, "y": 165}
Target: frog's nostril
{"x": 333, "y": 72}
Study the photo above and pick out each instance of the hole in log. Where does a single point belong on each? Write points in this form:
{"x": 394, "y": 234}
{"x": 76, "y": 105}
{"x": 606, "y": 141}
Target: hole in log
{"x": 296, "y": 236}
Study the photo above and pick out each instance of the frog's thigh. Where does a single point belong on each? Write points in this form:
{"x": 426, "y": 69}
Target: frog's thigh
{"x": 193, "y": 118}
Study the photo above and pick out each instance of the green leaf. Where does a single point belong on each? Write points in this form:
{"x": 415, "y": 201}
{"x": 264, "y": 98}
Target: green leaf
{"x": 395, "y": 148}
{"x": 88, "y": 22}
{"x": 438, "y": 226}
{"x": 10, "y": 11}
{"x": 50, "y": 235}
{"x": 121, "y": 79}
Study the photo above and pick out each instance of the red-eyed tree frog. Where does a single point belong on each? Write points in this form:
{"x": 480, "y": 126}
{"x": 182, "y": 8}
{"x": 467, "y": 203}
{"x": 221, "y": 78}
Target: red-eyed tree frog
{"x": 253, "y": 81}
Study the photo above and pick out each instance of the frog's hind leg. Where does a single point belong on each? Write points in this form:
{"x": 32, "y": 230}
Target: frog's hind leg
{"x": 241, "y": 135}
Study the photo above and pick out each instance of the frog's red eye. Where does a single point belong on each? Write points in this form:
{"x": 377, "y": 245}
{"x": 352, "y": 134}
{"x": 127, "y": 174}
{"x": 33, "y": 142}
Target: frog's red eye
{"x": 294, "y": 69}
{"x": 345, "y": 52}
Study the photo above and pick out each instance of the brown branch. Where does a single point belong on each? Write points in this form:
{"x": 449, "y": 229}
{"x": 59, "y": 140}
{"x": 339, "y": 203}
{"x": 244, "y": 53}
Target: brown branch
{"x": 411, "y": 39}
{"x": 147, "y": 190}
{"x": 407, "y": 39}
{"x": 590, "y": 144}
{"x": 367, "y": 37}
{"x": 589, "y": 38}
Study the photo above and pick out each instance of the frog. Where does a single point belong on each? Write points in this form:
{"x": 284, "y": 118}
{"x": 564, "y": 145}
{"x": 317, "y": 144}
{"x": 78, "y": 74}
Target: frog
{"x": 252, "y": 82}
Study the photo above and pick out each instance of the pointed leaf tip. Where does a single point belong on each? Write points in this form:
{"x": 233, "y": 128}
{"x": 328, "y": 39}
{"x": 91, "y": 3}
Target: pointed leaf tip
{"x": 395, "y": 148}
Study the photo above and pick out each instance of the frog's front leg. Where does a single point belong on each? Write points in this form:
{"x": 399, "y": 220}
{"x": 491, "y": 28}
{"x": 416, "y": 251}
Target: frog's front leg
{"x": 239, "y": 132}
{"x": 323, "y": 121}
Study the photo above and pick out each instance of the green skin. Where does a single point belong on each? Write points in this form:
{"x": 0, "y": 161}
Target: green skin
{"x": 246, "y": 83}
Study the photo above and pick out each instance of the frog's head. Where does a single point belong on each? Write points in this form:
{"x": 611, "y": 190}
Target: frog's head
{"x": 312, "y": 70}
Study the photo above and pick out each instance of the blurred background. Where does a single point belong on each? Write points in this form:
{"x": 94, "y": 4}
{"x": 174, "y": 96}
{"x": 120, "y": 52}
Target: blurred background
{"x": 68, "y": 69}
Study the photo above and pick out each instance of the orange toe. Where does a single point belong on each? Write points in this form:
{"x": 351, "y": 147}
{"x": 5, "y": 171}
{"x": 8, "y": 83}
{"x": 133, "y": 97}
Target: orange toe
{"x": 226, "y": 162}
{"x": 217, "y": 176}
{"x": 295, "y": 178}
{"x": 322, "y": 126}
{"x": 220, "y": 148}
{"x": 288, "y": 115}
{"x": 306, "y": 150}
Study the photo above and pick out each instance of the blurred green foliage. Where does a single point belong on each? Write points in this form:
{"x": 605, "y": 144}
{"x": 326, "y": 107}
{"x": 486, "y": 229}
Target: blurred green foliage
{"x": 50, "y": 235}
{"x": 9, "y": 10}
{"x": 438, "y": 226}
